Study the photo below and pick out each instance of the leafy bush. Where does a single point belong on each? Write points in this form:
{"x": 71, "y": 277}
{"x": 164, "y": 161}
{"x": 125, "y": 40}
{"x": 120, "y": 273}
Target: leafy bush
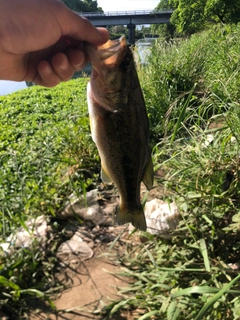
{"x": 46, "y": 153}
{"x": 43, "y": 133}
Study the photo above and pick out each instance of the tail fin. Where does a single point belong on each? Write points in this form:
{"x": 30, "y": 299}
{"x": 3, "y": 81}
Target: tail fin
{"x": 136, "y": 217}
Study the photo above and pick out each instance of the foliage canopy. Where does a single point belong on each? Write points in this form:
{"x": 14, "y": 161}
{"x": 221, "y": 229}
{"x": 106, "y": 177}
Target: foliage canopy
{"x": 191, "y": 16}
{"x": 83, "y": 5}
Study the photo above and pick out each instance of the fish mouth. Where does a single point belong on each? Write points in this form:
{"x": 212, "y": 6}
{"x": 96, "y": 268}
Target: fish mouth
{"x": 110, "y": 51}
{"x": 108, "y": 55}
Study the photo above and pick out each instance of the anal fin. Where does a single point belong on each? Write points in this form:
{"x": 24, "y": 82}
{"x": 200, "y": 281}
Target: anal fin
{"x": 148, "y": 175}
{"x": 104, "y": 176}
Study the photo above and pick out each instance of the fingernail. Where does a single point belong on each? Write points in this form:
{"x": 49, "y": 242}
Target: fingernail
{"x": 48, "y": 69}
{"x": 80, "y": 66}
{"x": 64, "y": 65}
{"x": 81, "y": 62}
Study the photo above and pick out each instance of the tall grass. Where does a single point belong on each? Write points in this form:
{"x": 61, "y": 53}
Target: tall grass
{"x": 205, "y": 66}
{"x": 192, "y": 96}
{"x": 190, "y": 276}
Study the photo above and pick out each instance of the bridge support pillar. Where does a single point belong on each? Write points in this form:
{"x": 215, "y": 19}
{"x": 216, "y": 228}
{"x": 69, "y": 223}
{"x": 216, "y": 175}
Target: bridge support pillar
{"x": 131, "y": 33}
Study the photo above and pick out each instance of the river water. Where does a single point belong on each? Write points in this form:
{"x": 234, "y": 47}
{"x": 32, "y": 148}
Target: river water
{"x": 143, "y": 49}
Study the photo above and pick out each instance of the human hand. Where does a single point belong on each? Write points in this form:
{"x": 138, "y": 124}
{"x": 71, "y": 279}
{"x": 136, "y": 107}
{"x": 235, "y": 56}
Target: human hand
{"x": 41, "y": 41}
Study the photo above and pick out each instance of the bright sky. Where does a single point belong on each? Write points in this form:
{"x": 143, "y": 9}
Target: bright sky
{"x": 10, "y": 86}
{"x": 127, "y": 5}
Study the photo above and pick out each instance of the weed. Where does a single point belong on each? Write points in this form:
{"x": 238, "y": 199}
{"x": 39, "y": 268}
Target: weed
{"x": 46, "y": 153}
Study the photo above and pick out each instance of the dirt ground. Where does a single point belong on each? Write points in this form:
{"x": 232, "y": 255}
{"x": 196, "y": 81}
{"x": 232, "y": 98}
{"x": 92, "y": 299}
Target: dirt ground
{"x": 94, "y": 284}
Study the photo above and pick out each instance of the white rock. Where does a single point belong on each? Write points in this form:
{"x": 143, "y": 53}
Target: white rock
{"x": 207, "y": 140}
{"x": 69, "y": 249}
{"x": 87, "y": 210}
{"x": 7, "y": 248}
{"x": 233, "y": 139}
{"x": 36, "y": 229}
{"x": 92, "y": 197}
{"x": 161, "y": 217}
{"x": 87, "y": 200}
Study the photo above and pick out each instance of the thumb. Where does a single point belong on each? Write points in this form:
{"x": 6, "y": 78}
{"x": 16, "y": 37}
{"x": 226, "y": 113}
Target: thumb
{"x": 79, "y": 28}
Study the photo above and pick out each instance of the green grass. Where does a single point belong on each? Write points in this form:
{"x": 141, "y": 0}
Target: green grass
{"x": 189, "y": 276}
{"x": 43, "y": 133}
{"x": 45, "y": 136}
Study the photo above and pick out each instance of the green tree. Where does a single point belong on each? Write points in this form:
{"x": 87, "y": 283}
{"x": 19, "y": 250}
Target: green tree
{"x": 83, "y": 5}
{"x": 191, "y": 16}
{"x": 224, "y": 11}
{"x": 117, "y": 31}
{"x": 168, "y": 30}
{"x": 188, "y": 16}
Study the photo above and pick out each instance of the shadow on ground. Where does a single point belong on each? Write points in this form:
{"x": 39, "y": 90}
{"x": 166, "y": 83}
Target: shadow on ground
{"x": 94, "y": 284}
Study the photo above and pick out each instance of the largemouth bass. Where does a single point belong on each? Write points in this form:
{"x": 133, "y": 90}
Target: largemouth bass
{"x": 119, "y": 126}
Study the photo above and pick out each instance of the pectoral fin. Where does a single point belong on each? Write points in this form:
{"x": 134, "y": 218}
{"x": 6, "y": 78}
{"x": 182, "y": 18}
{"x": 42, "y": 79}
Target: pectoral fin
{"x": 148, "y": 175}
{"x": 105, "y": 176}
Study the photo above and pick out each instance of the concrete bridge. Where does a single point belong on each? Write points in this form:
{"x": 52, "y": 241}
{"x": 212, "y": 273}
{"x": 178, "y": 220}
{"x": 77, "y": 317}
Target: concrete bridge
{"x": 128, "y": 18}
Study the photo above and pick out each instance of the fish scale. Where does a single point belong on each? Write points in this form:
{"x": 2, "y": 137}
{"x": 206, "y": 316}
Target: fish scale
{"x": 119, "y": 126}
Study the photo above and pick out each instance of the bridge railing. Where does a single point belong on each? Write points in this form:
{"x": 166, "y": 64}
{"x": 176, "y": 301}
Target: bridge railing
{"x": 121, "y": 13}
